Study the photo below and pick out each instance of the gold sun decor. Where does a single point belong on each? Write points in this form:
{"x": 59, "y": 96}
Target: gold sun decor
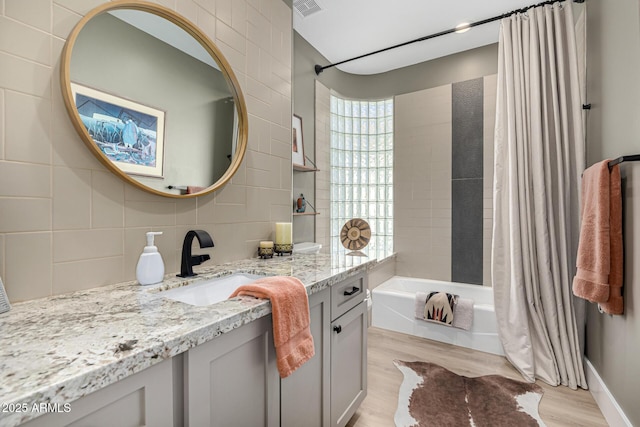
{"x": 355, "y": 235}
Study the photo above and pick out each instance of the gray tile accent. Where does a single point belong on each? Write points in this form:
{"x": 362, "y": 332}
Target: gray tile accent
{"x": 467, "y": 128}
{"x": 466, "y": 231}
{"x": 467, "y": 181}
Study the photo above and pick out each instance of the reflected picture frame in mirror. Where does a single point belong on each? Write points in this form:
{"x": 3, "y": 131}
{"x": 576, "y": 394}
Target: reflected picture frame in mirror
{"x": 227, "y": 159}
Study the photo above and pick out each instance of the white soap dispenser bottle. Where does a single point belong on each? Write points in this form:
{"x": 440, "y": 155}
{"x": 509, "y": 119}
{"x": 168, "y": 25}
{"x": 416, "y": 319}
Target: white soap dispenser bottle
{"x": 150, "y": 267}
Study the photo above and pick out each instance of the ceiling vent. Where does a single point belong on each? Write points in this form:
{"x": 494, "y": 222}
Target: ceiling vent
{"x": 306, "y": 7}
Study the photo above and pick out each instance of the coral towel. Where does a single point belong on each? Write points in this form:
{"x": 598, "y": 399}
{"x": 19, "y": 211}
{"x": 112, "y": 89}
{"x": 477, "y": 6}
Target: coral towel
{"x": 290, "y": 309}
{"x": 599, "y": 261}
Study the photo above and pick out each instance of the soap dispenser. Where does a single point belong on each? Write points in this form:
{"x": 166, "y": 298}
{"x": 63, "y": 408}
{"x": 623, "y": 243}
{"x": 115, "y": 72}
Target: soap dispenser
{"x": 150, "y": 267}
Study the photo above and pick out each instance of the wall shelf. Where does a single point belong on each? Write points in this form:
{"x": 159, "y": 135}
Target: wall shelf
{"x": 305, "y": 213}
{"x": 300, "y": 168}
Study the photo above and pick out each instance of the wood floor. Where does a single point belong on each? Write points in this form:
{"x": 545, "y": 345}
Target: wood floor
{"x": 560, "y": 406}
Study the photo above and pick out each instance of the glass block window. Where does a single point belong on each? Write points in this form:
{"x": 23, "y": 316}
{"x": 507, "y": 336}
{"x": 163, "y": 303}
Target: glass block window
{"x": 362, "y": 169}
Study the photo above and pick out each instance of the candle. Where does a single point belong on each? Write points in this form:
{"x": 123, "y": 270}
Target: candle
{"x": 283, "y": 233}
{"x": 266, "y": 244}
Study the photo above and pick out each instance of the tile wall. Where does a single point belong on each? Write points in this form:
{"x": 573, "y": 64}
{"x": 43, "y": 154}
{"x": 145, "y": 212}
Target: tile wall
{"x": 423, "y": 181}
{"x": 66, "y": 223}
{"x": 323, "y": 162}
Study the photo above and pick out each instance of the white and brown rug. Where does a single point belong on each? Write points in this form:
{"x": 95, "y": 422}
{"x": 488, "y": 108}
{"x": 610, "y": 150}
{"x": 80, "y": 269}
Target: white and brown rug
{"x": 431, "y": 395}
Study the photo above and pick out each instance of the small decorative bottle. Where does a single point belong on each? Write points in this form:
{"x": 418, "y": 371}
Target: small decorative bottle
{"x": 301, "y": 204}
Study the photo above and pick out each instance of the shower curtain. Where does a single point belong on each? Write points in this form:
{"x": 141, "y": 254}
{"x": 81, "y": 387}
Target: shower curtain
{"x": 539, "y": 156}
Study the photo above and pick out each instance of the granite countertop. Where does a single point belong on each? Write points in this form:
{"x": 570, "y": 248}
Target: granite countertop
{"x": 61, "y": 348}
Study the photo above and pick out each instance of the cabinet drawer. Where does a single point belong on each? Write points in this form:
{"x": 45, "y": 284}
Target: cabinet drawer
{"x": 347, "y": 294}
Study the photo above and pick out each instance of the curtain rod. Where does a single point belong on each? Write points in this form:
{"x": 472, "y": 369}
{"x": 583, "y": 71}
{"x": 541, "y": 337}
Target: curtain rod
{"x": 320, "y": 68}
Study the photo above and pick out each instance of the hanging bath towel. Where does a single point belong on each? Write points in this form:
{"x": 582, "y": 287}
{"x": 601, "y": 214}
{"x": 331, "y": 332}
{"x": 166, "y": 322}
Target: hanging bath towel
{"x": 599, "y": 260}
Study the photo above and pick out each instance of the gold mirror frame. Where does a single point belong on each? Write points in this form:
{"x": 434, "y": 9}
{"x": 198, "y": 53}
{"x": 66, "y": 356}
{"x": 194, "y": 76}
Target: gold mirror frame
{"x": 207, "y": 44}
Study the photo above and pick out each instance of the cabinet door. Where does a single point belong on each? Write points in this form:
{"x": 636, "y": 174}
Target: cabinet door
{"x": 233, "y": 379}
{"x": 304, "y": 397}
{"x": 142, "y": 399}
{"x": 348, "y": 364}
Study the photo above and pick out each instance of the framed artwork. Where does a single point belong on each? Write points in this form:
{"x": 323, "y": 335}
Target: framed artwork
{"x": 297, "y": 145}
{"x": 130, "y": 134}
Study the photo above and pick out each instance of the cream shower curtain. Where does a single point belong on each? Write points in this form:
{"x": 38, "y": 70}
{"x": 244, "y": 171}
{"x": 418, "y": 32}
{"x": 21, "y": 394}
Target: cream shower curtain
{"x": 539, "y": 156}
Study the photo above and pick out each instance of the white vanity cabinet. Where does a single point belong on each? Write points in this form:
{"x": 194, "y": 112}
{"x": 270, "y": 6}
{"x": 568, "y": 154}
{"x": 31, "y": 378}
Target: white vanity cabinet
{"x": 233, "y": 379}
{"x": 305, "y": 394}
{"x": 142, "y": 399}
{"x": 348, "y": 348}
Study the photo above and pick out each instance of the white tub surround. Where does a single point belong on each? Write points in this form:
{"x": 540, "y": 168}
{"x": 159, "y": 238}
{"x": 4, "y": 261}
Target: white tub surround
{"x": 394, "y": 309}
{"x": 58, "y": 349}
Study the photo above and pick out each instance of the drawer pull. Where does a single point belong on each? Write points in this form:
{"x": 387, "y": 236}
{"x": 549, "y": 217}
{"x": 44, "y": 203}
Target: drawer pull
{"x": 337, "y": 328}
{"x": 352, "y": 291}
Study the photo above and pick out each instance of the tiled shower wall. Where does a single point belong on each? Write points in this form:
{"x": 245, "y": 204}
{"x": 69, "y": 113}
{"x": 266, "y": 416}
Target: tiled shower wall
{"x": 429, "y": 183}
{"x": 323, "y": 162}
{"x": 66, "y": 223}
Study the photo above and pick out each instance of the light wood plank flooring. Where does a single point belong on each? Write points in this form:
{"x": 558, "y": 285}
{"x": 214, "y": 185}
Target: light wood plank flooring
{"x": 560, "y": 406}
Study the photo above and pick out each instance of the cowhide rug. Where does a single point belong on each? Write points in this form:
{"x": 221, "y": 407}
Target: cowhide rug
{"x": 431, "y": 395}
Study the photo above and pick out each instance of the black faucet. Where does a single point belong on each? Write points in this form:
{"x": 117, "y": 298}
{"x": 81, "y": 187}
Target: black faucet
{"x": 188, "y": 261}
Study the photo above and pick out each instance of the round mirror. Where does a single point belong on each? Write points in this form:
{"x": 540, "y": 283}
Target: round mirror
{"x": 154, "y": 99}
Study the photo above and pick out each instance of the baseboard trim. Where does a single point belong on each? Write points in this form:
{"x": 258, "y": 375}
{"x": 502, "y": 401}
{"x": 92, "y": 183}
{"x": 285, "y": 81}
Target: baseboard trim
{"x": 608, "y": 405}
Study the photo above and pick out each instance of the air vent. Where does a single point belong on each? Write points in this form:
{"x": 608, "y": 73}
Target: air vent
{"x": 306, "y": 7}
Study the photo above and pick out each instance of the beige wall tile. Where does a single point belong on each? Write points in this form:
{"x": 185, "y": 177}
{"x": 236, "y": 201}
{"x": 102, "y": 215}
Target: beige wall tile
{"x": 258, "y": 202}
{"x": 107, "y": 200}
{"x": 77, "y": 245}
{"x": 25, "y": 76}
{"x": 258, "y": 90}
{"x": 188, "y": 9}
{"x": 24, "y": 179}
{"x": 234, "y": 57}
{"x": 2, "y": 256}
{"x": 25, "y": 41}
{"x": 381, "y": 273}
{"x": 27, "y": 143}
{"x": 205, "y": 210}
{"x": 239, "y": 16}
{"x": 440, "y": 266}
{"x": 255, "y": 62}
{"x": 258, "y": 29}
{"x": 223, "y": 11}
{"x": 63, "y": 21}
{"x": 257, "y": 107}
{"x": 259, "y": 132}
{"x": 71, "y": 198}
{"x": 186, "y": 210}
{"x": 149, "y": 214}
{"x": 86, "y": 274}
{"x": 79, "y": 6}
{"x": 2, "y": 124}
{"x": 207, "y": 23}
{"x": 19, "y": 215}
{"x": 28, "y": 266}
{"x": 227, "y": 35}
{"x": 229, "y": 214}
{"x": 233, "y": 194}
{"x": 36, "y": 13}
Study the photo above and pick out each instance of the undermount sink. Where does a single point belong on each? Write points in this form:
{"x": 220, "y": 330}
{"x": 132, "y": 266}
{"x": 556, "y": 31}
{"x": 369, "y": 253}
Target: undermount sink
{"x": 210, "y": 291}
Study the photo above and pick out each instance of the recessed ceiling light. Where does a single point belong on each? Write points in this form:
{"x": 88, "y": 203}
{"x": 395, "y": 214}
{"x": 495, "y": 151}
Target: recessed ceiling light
{"x": 463, "y": 28}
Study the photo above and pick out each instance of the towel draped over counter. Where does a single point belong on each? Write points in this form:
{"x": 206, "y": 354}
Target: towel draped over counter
{"x": 290, "y": 311}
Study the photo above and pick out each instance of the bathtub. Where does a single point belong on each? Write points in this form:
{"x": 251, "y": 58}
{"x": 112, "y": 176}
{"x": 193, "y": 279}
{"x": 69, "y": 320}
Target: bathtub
{"x": 394, "y": 308}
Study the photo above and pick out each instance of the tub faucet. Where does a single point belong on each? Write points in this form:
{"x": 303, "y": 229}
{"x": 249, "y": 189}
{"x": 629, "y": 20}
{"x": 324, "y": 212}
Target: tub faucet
{"x": 188, "y": 260}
